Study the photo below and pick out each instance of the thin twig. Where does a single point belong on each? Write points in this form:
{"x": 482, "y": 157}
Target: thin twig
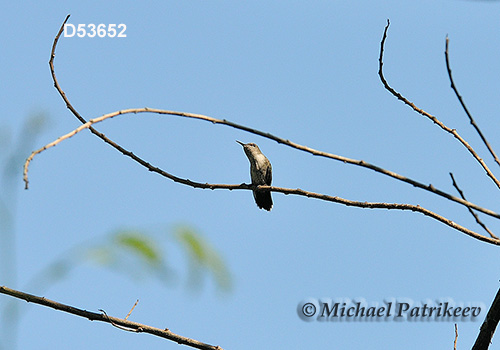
{"x": 93, "y": 316}
{"x": 471, "y": 119}
{"x": 132, "y": 309}
{"x": 53, "y": 73}
{"x": 479, "y": 222}
{"x": 428, "y": 115}
{"x": 456, "y": 337}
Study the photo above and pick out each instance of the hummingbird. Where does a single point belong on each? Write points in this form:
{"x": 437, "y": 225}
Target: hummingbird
{"x": 260, "y": 173}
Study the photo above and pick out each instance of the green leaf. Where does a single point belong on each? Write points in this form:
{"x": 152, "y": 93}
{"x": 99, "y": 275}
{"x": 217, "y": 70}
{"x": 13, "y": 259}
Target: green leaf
{"x": 139, "y": 244}
{"x": 204, "y": 257}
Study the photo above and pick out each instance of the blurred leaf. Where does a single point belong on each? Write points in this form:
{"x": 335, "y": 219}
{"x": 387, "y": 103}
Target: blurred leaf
{"x": 13, "y": 152}
{"x": 136, "y": 255}
{"x": 101, "y": 255}
{"x": 203, "y": 256}
{"x": 141, "y": 245}
{"x": 132, "y": 253}
{"x": 31, "y": 129}
{"x": 193, "y": 244}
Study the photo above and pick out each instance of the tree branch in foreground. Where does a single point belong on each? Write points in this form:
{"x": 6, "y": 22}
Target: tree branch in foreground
{"x": 117, "y": 322}
{"x": 428, "y": 115}
{"x": 489, "y": 325}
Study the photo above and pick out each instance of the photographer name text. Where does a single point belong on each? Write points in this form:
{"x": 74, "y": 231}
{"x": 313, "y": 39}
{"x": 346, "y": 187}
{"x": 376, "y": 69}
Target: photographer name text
{"x": 404, "y": 309}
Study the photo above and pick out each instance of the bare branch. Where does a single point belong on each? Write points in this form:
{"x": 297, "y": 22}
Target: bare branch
{"x": 122, "y": 323}
{"x": 88, "y": 125}
{"x": 81, "y": 119}
{"x": 456, "y": 337}
{"x": 398, "y": 206}
{"x": 489, "y": 325}
{"x": 371, "y": 205}
{"x": 52, "y": 71}
{"x": 376, "y": 205}
{"x": 479, "y": 222}
{"x": 428, "y": 115}
{"x": 472, "y": 121}
{"x": 152, "y": 168}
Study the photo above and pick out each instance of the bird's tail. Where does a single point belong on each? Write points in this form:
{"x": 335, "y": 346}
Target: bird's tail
{"x": 263, "y": 199}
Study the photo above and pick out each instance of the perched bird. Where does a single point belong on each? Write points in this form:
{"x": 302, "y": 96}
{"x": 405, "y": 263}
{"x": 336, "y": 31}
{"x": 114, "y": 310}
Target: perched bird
{"x": 260, "y": 173}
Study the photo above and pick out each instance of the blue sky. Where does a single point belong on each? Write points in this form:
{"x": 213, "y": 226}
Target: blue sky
{"x": 302, "y": 71}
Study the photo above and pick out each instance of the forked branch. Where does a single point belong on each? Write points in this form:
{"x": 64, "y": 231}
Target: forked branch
{"x": 478, "y": 221}
{"x": 416, "y": 208}
{"x": 428, "y": 115}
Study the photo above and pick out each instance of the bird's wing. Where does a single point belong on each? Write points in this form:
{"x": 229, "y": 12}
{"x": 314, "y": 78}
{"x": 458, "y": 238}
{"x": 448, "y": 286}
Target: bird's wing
{"x": 269, "y": 175}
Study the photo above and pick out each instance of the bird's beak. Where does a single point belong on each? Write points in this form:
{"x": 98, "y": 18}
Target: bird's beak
{"x": 241, "y": 143}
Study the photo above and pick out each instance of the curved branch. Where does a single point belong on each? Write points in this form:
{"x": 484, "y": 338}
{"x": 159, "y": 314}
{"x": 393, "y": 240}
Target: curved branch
{"x": 361, "y": 163}
{"x": 371, "y": 205}
{"x": 415, "y": 208}
{"x": 88, "y": 125}
{"x": 428, "y": 115}
{"x": 117, "y": 322}
{"x": 472, "y": 121}
{"x": 378, "y": 205}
